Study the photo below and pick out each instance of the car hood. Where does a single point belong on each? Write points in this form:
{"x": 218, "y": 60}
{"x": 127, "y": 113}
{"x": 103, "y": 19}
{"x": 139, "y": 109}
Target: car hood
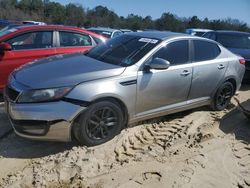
{"x": 242, "y": 52}
{"x": 64, "y": 70}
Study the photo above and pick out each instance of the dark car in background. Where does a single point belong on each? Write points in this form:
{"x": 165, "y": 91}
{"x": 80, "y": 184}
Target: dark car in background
{"x": 237, "y": 42}
{"x": 4, "y": 23}
{"x": 23, "y": 44}
{"x": 107, "y": 32}
{"x": 2, "y": 30}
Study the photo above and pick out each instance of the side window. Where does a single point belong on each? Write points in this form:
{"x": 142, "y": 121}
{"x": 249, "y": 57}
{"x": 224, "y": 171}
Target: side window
{"x": 204, "y": 50}
{"x": 74, "y": 39}
{"x": 176, "y": 53}
{"x": 32, "y": 40}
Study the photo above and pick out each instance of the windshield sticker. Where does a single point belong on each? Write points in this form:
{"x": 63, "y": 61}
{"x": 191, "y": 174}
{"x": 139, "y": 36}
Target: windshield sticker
{"x": 147, "y": 40}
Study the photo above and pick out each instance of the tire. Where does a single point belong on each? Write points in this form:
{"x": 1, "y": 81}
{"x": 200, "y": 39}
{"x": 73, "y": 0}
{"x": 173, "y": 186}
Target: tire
{"x": 223, "y": 96}
{"x": 101, "y": 122}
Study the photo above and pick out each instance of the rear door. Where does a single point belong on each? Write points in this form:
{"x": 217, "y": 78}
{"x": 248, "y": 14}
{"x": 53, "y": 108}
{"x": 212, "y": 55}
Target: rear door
{"x": 26, "y": 47}
{"x": 71, "y": 42}
{"x": 209, "y": 68}
{"x": 158, "y": 89}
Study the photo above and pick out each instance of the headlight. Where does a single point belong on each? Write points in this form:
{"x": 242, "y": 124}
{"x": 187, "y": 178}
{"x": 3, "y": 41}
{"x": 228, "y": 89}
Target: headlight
{"x": 43, "y": 95}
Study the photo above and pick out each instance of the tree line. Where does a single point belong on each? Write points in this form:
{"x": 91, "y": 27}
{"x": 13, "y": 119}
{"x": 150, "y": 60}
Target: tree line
{"x": 75, "y": 14}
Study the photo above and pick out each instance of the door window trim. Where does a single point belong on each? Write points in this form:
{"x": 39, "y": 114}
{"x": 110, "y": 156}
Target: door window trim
{"x": 164, "y": 44}
{"x": 33, "y": 31}
{"x": 193, "y": 51}
{"x": 57, "y": 34}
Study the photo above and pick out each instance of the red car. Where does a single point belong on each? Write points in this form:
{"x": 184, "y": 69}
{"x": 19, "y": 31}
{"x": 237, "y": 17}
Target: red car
{"x": 26, "y": 43}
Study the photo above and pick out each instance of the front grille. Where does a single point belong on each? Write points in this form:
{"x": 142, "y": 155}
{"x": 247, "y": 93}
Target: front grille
{"x": 11, "y": 93}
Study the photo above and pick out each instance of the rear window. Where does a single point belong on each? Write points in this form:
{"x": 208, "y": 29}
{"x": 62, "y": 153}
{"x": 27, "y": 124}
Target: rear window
{"x": 204, "y": 50}
{"x": 106, "y": 34}
{"x": 209, "y": 35}
{"x": 198, "y": 33}
{"x": 234, "y": 40}
{"x": 97, "y": 40}
{"x": 74, "y": 39}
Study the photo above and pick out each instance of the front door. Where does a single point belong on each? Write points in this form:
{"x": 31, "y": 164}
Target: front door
{"x": 157, "y": 89}
{"x": 25, "y": 48}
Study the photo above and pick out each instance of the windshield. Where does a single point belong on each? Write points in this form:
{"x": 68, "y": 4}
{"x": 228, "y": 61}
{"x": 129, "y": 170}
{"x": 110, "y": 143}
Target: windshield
{"x": 234, "y": 40}
{"x": 106, "y": 34}
{"x": 124, "y": 50}
{"x": 199, "y": 33}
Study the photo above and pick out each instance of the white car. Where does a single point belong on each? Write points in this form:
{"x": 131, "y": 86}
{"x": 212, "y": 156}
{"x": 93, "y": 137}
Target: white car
{"x": 197, "y": 32}
{"x": 34, "y": 23}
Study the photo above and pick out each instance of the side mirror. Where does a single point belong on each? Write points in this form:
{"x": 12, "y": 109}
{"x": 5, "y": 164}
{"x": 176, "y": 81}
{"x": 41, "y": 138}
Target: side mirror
{"x": 159, "y": 64}
{"x": 5, "y": 47}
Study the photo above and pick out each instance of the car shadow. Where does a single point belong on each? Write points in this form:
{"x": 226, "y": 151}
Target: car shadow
{"x": 170, "y": 117}
{"x": 14, "y": 146}
{"x": 236, "y": 123}
{"x": 245, "y": 87}
{"x": 1, "y": 98}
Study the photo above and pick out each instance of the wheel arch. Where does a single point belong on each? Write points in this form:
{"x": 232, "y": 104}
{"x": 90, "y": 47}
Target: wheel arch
{"x": 119, "y": 102}
{"x": 230, "y": 79}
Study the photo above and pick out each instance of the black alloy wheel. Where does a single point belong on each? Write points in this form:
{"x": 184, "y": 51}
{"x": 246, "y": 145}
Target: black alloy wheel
{"x": 223, "y": 96}
{"x": 99, "y": 123}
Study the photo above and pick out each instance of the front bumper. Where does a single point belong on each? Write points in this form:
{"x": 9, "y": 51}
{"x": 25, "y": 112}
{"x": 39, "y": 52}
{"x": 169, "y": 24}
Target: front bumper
{"x": 50, "y": 121}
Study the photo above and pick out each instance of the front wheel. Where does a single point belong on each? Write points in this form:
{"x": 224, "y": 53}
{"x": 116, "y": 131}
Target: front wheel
{"x": 223, "y": 96}
{"x": 99, "y": 123}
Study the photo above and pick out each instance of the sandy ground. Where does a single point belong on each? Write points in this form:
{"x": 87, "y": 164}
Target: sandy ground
{"x": 197, "y": 148}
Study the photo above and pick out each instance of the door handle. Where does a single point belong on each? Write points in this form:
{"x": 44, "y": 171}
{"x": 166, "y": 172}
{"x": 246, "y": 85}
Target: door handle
{"x": 221, "y": 67}
{"x": 185, "y": 73}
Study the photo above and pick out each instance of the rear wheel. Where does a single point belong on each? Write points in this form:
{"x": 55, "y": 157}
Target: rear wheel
{"x": 223, "y": 96}
{"x": 99, "y": 123}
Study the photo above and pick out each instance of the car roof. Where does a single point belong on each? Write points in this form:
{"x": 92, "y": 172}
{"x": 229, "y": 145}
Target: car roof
{"x": 103, "y": 29}
{"x": 160, "y": 35}
{"x": 198, "y": 29}
{"x": 24, "y": 28}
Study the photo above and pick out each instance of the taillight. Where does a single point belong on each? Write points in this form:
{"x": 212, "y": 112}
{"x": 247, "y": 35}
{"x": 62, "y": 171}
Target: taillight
{"x": 242, "y": 61}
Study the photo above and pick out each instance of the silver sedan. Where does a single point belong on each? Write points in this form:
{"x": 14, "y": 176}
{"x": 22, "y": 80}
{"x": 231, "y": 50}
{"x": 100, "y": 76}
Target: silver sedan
{"x": 92, "y": 96}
